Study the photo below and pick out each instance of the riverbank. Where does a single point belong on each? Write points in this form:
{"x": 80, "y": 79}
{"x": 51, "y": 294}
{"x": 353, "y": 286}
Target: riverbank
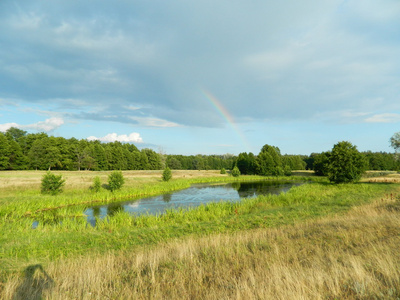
{"x": 76, "y": 260}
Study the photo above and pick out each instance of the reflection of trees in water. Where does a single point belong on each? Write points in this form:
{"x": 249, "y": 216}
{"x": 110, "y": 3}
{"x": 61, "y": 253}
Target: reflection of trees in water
{"x": 113, "y": 208}
{"x": 34, "y": 283}
{"x": 236, "y": 185}
{"x": 257, "y": 189}
{"x": 96, "y": 211}
{"x": 167, "y": 197}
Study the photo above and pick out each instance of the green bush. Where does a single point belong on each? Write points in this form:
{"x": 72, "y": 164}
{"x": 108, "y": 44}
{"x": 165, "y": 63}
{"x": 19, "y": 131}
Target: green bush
{"x": 346, "y": 164}
{"x": 115, "y": 181}
{"x": 96, "y": 184}
{"x": 235, "y": 172}
{"x": 223, "y": 171}
{"x": 52, "y": 184}
{"x": 167, "y": 174}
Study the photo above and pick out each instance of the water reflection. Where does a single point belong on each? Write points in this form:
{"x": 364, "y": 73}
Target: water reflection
{"x": 191, "y": 197}
{"x": 167, "y": 197}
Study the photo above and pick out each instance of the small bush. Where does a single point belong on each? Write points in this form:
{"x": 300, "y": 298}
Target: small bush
{"x": 167, "y": 174}
{"x": 235, "y": 172}
{"x": 96, "y": 184}
{"x": 287, "y": 170}
{"x": 223, "y": 171}
{"x": 115, "y": 181}
{"x": 52, "y": 184}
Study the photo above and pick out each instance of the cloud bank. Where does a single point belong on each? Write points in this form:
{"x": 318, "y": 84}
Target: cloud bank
{"x": 123, "y": 138}
{"x": 46, "y": 126}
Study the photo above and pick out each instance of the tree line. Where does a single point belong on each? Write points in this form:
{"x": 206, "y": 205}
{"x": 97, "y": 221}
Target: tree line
{"x": 20, "y": 150}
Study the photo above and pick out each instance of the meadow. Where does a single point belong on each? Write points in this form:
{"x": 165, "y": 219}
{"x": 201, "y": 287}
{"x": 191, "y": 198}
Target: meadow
{"x": 317, "y": 241}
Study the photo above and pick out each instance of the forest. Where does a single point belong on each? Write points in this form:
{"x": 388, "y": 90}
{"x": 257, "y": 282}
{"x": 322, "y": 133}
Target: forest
{"x": 20, "y": 150}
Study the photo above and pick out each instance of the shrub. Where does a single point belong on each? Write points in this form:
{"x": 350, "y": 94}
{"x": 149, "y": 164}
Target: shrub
{"x": 287, "y": 170}
{"x": 223, "y": 171}
{"x": 52, "y": 184}
{"x": 115, "y": 181}
{"x": 167, "y": 174}
{"x": 96, "y": 184}
{"x": 235, "y": 172}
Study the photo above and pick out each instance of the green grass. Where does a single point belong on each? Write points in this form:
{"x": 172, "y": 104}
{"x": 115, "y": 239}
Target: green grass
{"x": 62, "y": 233}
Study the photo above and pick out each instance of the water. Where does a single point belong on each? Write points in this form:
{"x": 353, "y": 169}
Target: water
{"x": 190, "y": 197}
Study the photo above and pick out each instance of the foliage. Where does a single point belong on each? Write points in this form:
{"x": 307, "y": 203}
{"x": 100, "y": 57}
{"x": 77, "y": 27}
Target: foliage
{"x": 346, "y": 164}
{"x": 269, "y": 161}
{"x": 115, "y": 181}
{"x": 246, "y": 163}
{"x": 167, "y": 174}
{"x": 223, "y": 171}
{"x": 235, "y": 172}
{"x": 96, "y": 184}
{"x": 52, "y": 184}
{"x": 382, "y": 161}
{"x": 395, "y": 141}
{"x": 321, "y": 163}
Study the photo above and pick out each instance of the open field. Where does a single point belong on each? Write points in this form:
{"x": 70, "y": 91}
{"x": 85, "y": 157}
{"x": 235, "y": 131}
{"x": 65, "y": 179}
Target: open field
{"x": 317, "y": 241}
{"x": 12, "y": 180}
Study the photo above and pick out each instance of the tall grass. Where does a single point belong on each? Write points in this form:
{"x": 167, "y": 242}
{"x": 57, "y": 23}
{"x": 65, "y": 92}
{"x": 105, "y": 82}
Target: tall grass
{"x": 347, "y": 256}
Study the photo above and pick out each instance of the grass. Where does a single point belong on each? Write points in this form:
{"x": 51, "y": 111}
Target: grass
{"x": 317, "y": 241}
{"x": 347, "y": 256}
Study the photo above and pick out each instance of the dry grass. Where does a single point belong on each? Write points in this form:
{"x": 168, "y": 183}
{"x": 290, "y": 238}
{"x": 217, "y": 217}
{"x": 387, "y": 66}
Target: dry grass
{"x": 15, "y": 180}
{"x": 355, "y": 256}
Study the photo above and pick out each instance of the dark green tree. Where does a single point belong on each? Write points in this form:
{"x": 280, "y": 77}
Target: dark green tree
{"x": 269, "y": 161}
{"x": 4, "y": 152}
{"x": 321, "y": 163}
{"x": 246, "y": 163}
{"x": 346, "y": 164}
{"x": 153, "y": 158}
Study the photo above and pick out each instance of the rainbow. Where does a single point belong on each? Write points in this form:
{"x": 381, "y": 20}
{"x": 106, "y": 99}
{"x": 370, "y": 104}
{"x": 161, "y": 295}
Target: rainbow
{"x": 226, "y": 116}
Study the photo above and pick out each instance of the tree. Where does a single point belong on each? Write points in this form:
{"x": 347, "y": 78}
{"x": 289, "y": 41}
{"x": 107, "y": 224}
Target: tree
{"x": 395, "y": 141}
{"x": 246, "y": 163}
{"x": 167, "y": 174}
{"x": 269, "y": 161}
{"x": 4, "y": 152}
{"x": 345, "y": 163}
{"x": 321, "y": 163}
{"x": 235, "y": 172}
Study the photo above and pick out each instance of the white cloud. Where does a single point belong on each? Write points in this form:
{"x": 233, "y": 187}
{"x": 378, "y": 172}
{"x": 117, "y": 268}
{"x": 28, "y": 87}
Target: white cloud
{"x": 5, "y": 127}
{"x": 47, "y": 125}
{"x": 123, "y": 138}
{"x": 384, "y": 118}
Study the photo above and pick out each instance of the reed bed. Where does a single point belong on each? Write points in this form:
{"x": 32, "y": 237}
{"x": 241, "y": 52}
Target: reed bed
{"x": 347, "y": 256}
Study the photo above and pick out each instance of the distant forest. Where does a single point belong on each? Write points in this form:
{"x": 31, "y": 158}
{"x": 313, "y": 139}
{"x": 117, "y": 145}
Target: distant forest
{"x": 20, "y": 150}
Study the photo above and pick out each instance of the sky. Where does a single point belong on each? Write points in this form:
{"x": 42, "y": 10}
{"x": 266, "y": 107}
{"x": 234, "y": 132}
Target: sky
{"x": 203, "y": 77}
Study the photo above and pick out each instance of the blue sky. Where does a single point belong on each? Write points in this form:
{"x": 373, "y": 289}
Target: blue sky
{"x": 300, "y": 75}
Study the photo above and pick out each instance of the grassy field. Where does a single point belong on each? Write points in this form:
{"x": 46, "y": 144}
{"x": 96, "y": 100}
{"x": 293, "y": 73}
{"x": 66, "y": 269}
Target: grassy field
{"x": 317, "y": 241}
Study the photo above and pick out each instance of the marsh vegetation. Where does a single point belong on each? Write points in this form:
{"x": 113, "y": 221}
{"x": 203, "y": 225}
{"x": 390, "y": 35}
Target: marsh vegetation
{"x": 315, "y": 241}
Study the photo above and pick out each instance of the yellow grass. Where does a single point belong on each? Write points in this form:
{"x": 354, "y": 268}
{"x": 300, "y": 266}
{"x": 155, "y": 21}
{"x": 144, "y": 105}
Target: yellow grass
{"x": 354, "y": 256}
{"x": 76, "y": 180}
